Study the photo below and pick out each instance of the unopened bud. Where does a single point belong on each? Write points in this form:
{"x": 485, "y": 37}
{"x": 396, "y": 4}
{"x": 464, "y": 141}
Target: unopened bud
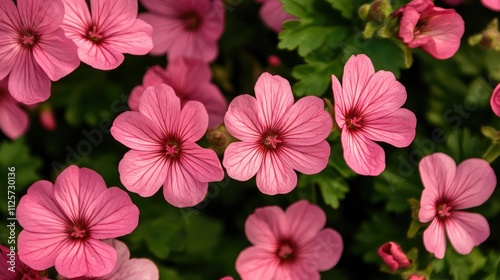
{"x": 393, "y": 256}
{"x": 219, "y": 139}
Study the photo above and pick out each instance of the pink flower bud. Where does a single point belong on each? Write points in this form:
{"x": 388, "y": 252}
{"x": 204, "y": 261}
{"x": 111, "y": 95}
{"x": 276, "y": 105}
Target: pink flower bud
{"x": 274, "y": 61}
{"x": 416, "y": 277}
{"x": 47, "y": 119}
{"x": 392, "y": 254}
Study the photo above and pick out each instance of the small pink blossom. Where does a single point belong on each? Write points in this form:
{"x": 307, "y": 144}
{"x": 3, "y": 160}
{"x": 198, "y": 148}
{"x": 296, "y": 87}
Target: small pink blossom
{"x": 448, "y": 190}
{"x": 64, "y": 223}
{"x": 493, "y": 5}
{"x": 47, "y": 119}
{"x": 288, "y": 245}
{"x": 111, "y": 30}
{"x": 273, "y": 14}
{"x": 436, "y": 30}
{"x": 416, "y": 277}
{"x": 277, "y": 136}
{"x": 126, "y": 268}
{"x": 33, "y": 48}
{"x": 367, "y": 109}
{"x": 495, "y": 101}
{"x": 12, "y": 268}
{"x": 162, "y": 137}
{"x": 185, "y": 28}
{"x": 393, "y": 256}
{"x": 190, "y": 79}
{"x": 13, "y": 120}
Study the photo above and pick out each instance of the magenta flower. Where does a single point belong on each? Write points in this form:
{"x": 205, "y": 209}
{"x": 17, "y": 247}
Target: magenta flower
{"x": 448, "y": 190}
{"x": 436, "y": 30}
{"x": 185, "y": 28}
{"x": 495, "y": 101}
{"x": 14, "y": 269}
{"x": 493, "y": 5}
{"x": 367, "y": 109}
{"x": 416, "y": 277}
{"x": 64, "y": 223}
{"x": 14, "y": 121}
{"x": 126, "y": 268}
{"x": 111, "y": 30}
{"x": 288, "y": 245}
{"x": 393, "y": 256}
{"x": 273, "y": 14}
{"x": 162, "y": 137}
{"x": 33, "y": 48}
{"x": 277, "y": 136}
{"x": 190, "y": 79}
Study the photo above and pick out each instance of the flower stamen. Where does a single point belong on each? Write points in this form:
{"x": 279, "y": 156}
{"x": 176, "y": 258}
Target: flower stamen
{"x": 444, "y": 210}
{"x": 94, "y": 35}
{"x": 78, "y": 233}
{"x": 271, "y": 141}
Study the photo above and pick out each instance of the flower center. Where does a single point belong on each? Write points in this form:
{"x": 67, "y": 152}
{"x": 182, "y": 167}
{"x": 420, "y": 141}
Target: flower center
{"x": 353, "y": 122}
{"x": 286, "y": 251}
{"x": 77, "y": 232}
{"x": 272, "y": 141}
{"x": 443, "y": 210}
{"x": 192, "y": 21}
{"x": 28, "y": 39}
{"x": 171, "y": 151}
{"x": 94, "y": 35}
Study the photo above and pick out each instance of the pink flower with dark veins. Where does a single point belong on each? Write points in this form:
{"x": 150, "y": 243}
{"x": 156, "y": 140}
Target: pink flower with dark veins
{"x": 162, "y": 137}
{"x": 495, "y": 101}
{"x": 367, "y": 109}
{"x": 112, "y": 30}
{"x": 190, "y": 79}
{"x": 448, "y": 190}
{"x": 436, "y": 30}
{"x": 273, "y": 14}
{"x": 288, "y": 245}
{"x": 11, "y": 268}
{"x": 13, "y": 120}
{"x": 185, "y": 28}
{"x": 64, "y": 223}
{"x": 33, "y": 48}
{"x": 277, "y": 136}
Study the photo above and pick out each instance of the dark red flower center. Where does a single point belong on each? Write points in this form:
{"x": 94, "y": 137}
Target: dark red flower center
{"x": 172, "y": 148}
{"x": 78, "y": 232}
{"x": 353, "y": 121}
{"x": 94, "y": 35}
{"x": 271, "y": 141}
{"x": 28, "y": 39}
{"x": 443, "y": 210}
{"x": 286, "y": 251}
{"x": 192, "y": 21}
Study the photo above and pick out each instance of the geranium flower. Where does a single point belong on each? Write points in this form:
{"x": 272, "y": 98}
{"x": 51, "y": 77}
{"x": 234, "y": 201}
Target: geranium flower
{"x": 273, "y": 14}
{"x": 288, "y": 245}
{"x": 14, "y": 121}
{"x": 493, "y": 5}
{"x": 33, "y": 48}
{"x": 448, "y": 190}
{"x": 277, "y": 136}
{"x": 185, "y": 28}
{"x": 15, "y": 269}
{"x": 162, "y": 137}
{"x": 64, "y": 223}
{"x": 436, "y": 30}
{"x": 126, "y": 268}
{"x": 190, "y": 79}
{"x": 367, "y": 109}
{"x": 111, "y": 30}
{"x": 495, "y": 101}
{"x": 393, "y": 256}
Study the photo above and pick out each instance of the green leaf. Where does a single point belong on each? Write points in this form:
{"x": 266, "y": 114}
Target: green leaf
{"x": 298, "y": 8}
{"x": 333, "y": 188}
{"x": 338, "y": 162}
{"x": 202, "y": 235}
{"x": 346, "y": 7}
{"x": 168, "y": 273}
{"x": 463, "y": 267}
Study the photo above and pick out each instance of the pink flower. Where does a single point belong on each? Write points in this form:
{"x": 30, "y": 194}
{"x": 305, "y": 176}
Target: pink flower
{"x": 448, "y": 190}
{"x": 190, "y": 79}
{"x": 273, "y": 14}
{"x": 162, "y": 137}
{"x": 33, "y": 48}
{"x": 416, "y": 277}
{"x": 367, "y": 109}
{"x": 13, "y": 120}
{"x": 493, "y": 5}
{"x": 393, "y": 256}
{"x": 185, "y": 28}
{"x": 289, "y": 245}
{"x": 126, "y": 268}
{"x": 278, "y": 136}
{"x": 495, "y": 101}
{"x": 111, "y": 30}
{"x": 64, "y": 223}
{"x": 436, "y": 30}
{"x": 13, "y": 269}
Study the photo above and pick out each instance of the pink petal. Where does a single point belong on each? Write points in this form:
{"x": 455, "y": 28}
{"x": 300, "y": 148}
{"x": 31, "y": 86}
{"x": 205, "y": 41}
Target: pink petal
{"x": 139, "y": 269}
{"x": 100, "y": 56}
{"x": 306, "y": 123}
{"x": 266, "y": 226}
{"x": 9, "y": 45}
{"x": 160, "y": 104}
{"x": 76, "y": 19}
{"x": 143, "y": 172}
{"x": 407, "y": 24}
{"x": 304, "y": 221}
{"x": 41, "y": 16}
{"x": 257, "y": 263}
{"x": 274, "y": 98}
{"x": 136, "y": 131}
{"x": 307, "y": 159}
{"x": 56, "y": 55}
{"x": 113, "y": 16}
{"x": 193, "y": 122}
{"x": 437, "y": 172}
{"x": 165, "y": 31}
{"x": 136, "y": 39}
{"x": 14, "y": 120}
{"x": 40, "y": 250}
{"x": 189, "y": 70}
{"x": 341, "y": 102}
{"x": 466, "y": 230}
{"x": 91, "y": 258}
{"x": 28, "y": 83}
{"x": 112, "y": 214}
{"x": 160, "y": 7}
{"x": 428, "y": 201}
{"x": 324, "y": 251}
{"x": 241, "y": 119}
{"x": 434, "y": 239}
{"x": 135, "y": 96}
{"x": 214, "y": 101}
{"x": 155, "y": 75}
{"x": 297, "y": 270}
{"x": 396, "y": 128}
{"x": 202, "y": 164}
{"x": 273, "y": 15}
{"x": 198, "y": 46}
{"x": 493, "y": 5}
{"x": 495, "y": 100}
{"x": 181, "y": 189}
{"x": 242, "y": 160}
{"x": 474, "y": 183}
{"x": 362, "y": 155}
{"x": 275, "y": 176}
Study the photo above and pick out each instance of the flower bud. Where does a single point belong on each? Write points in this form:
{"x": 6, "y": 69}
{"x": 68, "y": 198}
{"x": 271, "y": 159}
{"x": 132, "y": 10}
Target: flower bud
{"x": 392, "y": 254}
